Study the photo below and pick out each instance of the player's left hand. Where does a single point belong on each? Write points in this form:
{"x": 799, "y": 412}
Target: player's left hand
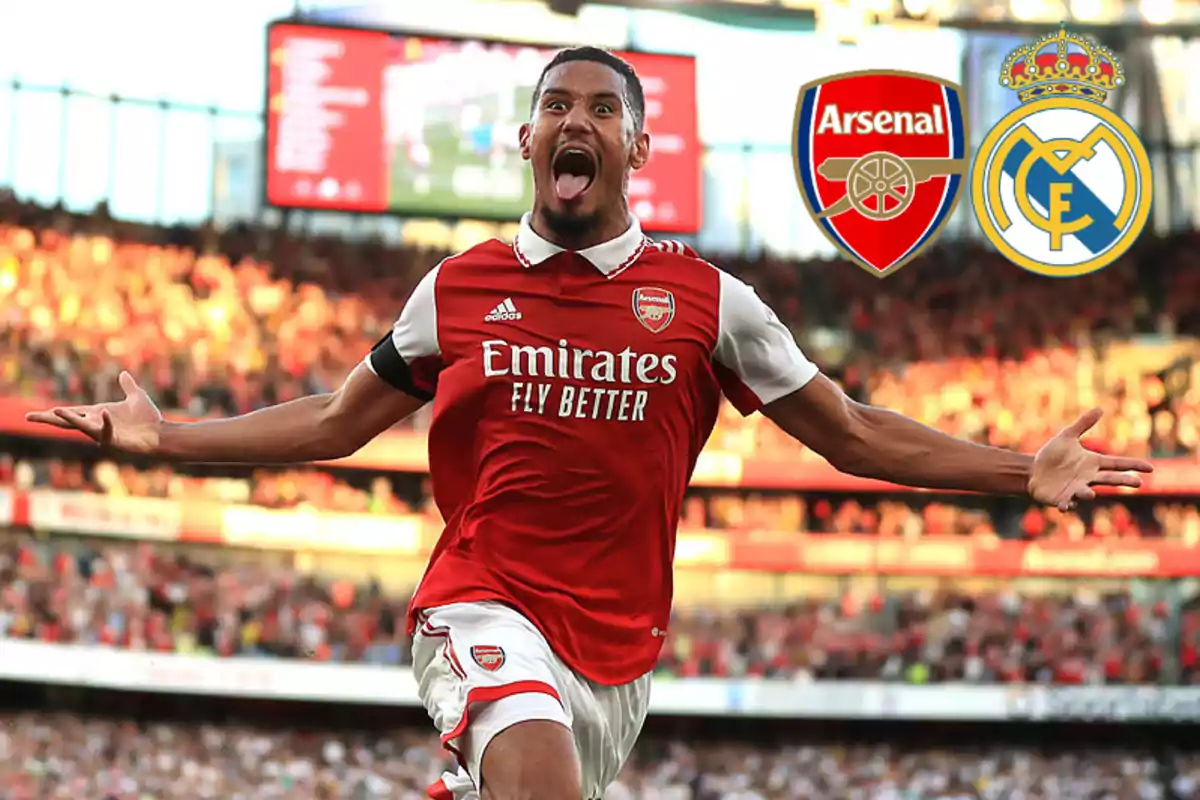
{"x": 1064, "y": 471}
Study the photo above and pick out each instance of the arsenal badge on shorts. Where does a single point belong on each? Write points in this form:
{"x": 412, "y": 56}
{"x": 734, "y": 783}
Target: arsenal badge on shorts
{"x": 654, "y": 307}
{"x": 488, "y": 656}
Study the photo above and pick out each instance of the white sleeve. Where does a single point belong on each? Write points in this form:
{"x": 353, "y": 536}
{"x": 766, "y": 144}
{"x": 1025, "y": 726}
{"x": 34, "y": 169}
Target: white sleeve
{"x": 758, "y": 351}
{"x": 409, "y": 357}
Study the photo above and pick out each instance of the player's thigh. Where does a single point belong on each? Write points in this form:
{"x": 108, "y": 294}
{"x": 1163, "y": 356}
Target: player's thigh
{"x": 482, "y": 671}
{"x": 531, "y": 759}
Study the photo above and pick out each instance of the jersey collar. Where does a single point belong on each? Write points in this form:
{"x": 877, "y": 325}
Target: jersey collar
{"x": 609, "y": 257}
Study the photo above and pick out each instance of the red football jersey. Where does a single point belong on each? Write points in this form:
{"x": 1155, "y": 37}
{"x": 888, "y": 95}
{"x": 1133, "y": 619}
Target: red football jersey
{"x": 573, "y": 393}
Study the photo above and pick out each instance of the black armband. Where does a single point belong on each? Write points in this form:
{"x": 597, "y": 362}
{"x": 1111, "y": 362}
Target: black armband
{"x": 392, "y": 369}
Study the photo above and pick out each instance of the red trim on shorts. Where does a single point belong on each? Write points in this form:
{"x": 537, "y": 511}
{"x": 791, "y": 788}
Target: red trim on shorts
{"x": 490, "y": 694}
{"x": 447, "y": 649}
{"x": 439, "y": 791}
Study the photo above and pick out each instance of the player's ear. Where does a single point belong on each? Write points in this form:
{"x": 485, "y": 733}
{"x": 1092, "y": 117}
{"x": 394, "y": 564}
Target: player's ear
{"x": 640, "y": 153}
{"x": 524, "y": 137}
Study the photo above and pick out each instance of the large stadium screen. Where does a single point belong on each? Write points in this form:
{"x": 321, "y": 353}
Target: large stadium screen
{"x": 372, "y": 121}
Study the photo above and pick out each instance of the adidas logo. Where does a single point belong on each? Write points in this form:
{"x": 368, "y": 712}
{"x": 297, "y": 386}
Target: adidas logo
{"x": 505, "y": 312}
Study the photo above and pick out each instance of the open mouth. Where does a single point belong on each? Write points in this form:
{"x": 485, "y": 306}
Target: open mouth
{"x": 574, "y": 170}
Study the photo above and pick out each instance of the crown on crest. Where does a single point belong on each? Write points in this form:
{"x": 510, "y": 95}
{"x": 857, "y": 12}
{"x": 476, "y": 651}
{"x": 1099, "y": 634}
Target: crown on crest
{"x": 1062, "y": 65}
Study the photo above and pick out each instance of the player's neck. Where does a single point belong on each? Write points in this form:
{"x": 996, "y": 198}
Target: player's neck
{"x": 607, "y": 228}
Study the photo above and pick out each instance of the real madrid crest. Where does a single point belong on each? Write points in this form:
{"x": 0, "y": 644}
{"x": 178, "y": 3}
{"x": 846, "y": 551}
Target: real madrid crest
{"x": 1062, "y": 185}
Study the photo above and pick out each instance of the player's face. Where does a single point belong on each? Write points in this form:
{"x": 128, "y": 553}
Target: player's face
{"x": 582, "y": 144}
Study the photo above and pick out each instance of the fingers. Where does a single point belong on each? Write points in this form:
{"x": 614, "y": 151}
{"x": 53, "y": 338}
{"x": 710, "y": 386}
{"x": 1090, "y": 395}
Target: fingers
{"x": 1064, "y": 499}
{"x": 1072, "y": 495}
{"x": 95, "y": 424}
{"x": 1118, "y": 464}
{"x": 48, "y": 418}
{"x": 1081, "y": 493}
{"x": 1109, "y": 478}
{"x": 1084, "y": 423}
{"x": 106, "y": 428}
{"x": 128, "y": 384}
{"x": 92, "y": 424}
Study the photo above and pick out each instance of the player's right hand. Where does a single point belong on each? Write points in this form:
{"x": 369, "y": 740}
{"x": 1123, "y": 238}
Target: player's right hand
{"x": 131, "y": 425}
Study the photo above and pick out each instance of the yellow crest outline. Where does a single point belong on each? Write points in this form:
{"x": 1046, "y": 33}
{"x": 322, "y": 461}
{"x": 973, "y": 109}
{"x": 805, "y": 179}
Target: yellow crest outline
{"x": 1135, "y": 163}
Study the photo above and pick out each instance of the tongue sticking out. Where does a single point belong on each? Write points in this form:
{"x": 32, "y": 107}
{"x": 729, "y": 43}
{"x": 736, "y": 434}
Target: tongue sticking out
{"x": 568, "y": 186}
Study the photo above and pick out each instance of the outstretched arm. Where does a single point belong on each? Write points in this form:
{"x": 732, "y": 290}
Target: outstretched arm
{"x": 873, "y": 442}
{"x": 761, "y": 368}
{"x": 317, "y": 428}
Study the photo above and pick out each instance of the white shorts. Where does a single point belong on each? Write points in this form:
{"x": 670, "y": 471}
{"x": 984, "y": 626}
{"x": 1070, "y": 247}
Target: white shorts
{"x": 483, "y": 667}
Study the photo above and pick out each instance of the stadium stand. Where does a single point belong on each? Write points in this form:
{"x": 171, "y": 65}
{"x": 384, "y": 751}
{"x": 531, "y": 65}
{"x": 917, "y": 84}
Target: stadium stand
{"x": 237, "y": 332}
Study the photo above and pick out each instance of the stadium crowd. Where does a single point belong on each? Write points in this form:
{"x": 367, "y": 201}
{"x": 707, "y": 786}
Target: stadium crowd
{"x": 44, "y": 755}
{"x": 146, "y": 597}
{"x": 222, "y": 323}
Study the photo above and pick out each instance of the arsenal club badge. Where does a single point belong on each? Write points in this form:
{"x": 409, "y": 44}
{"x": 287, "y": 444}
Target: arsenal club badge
{"x": 489, "y": 657}
{"x": 880, "y": 158}
{"x": 654, "y": 308}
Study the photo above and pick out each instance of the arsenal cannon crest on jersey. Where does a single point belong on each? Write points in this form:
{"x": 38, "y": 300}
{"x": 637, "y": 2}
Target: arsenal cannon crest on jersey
{"x": 654, "y": 307}
{"x": 880, "y": 157}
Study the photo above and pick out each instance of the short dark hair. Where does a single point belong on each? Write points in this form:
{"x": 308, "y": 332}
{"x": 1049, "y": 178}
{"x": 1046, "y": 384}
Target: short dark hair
{"x": 634, "y": 95}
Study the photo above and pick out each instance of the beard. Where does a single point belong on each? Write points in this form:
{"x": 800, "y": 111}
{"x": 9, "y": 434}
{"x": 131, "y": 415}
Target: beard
{"x": 568, "y": 225}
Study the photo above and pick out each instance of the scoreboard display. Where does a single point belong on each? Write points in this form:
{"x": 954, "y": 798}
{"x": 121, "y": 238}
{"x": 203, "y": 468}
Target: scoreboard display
{"x": 372, "y": 121}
